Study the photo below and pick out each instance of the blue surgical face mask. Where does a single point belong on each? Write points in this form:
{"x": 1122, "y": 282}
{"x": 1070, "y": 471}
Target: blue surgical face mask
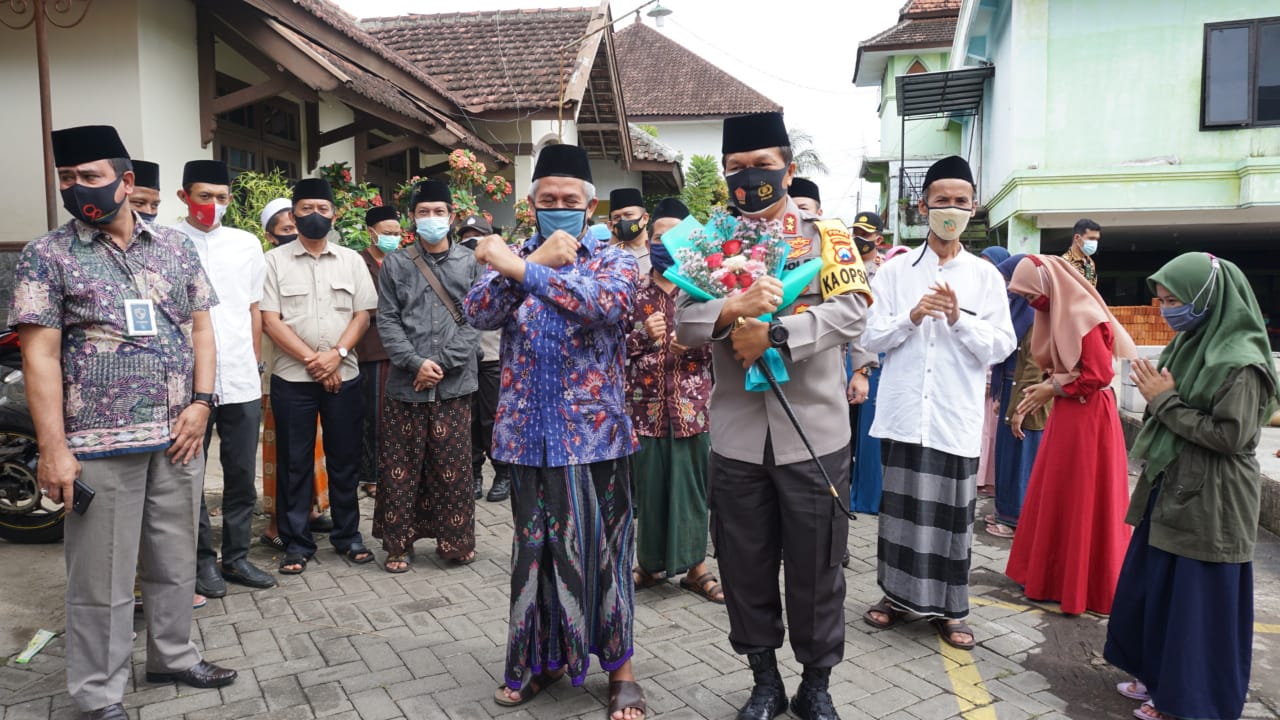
{"x": 149, "y": 217}
{"x": 1090, "y": 247}
{"x": 660, "y": 257}
{"x": 1184, "y": 318}
{"x": 570, "y": 221}
{"x": 387, "y": 243}
{"x": 432, "y": 229}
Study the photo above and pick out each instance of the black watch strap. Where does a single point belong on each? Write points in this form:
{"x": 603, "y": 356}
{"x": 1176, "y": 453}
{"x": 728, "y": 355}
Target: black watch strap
{"x": 207, "y": 398}
{"x": 778, "y": 333}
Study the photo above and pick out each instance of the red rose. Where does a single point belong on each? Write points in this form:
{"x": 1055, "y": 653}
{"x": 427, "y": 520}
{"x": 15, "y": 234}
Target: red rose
{"x": 744, "y": 279}
{"x": 729, "y": 280}
{"x": 715, "y": 260}
{"x": 732, "y": 247}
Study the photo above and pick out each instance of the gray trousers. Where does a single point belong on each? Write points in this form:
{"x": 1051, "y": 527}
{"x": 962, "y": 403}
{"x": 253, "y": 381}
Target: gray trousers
{"x": 144, "y": 510}
{"x": 762, "y": 515}
{"x": 239, "y": 425}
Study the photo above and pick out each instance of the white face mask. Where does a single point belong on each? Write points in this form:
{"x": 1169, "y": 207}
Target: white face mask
{"x": 948, "y": 223}
{"x": 432, "y": 229}
{"x": 1090, "y": 247}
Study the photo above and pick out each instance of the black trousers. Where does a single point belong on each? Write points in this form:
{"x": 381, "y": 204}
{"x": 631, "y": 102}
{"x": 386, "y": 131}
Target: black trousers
{"x": 484, "y": 407}
{"x": 238, "y": 426}
{"x": 767, "y": 513}
{"x": 295, "y": 406}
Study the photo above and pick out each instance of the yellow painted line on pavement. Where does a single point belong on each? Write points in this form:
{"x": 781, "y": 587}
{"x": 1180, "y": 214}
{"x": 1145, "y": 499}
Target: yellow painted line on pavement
{"x": 966, "y": 683}
{"x": 1267, "y": 628}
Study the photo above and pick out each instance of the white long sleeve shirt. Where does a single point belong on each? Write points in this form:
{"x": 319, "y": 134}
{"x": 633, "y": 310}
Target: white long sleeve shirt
{"x": 234, "y": 262}
{"x": 933, "y": 376}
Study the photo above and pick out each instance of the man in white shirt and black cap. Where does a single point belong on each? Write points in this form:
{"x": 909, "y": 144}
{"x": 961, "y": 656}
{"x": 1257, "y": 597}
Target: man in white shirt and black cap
{"x": 234, "y": 262}
{"x": 941, "y": 317}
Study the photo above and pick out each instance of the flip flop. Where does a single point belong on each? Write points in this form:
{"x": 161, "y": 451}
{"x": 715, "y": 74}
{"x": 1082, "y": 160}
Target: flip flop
{"x": 706, "y": 585}
{"x": 405, "y": 558}
{"x": 464, "y": 560}
{"x": 290, "y": 560}
{"x": 896, "y": 616}
{"x": 1000, "y": 531}
{"x": 276, "y": 542}
{"x": 626, "y": 694}
{"x": 357, "y": 553}
{"x": 946, "y": 628}
{"x": 1133, "y": 690}
{"x": 528, "y": 691}
{"x": 1147, "y": 711}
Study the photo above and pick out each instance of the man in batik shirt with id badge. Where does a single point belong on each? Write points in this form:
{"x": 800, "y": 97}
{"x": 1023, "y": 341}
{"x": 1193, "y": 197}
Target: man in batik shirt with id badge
{"x": 118, "y": 352}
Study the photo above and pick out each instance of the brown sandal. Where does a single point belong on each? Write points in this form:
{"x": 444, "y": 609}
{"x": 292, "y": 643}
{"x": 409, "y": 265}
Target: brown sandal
{"x": 645, "y": 579}
{"x": 626, "y": 694}
{"x": 706, "y": 585}
{"x": 946, "y": 628}
{"x": 896, "y": 616}
{"x": 528, "y": 691}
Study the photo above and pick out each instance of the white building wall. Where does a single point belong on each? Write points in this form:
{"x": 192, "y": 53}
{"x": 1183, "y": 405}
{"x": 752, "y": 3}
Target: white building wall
{"x": 690, "y": 137}
{"x": 168, "y": 83}
{"x": 93, "y": 72}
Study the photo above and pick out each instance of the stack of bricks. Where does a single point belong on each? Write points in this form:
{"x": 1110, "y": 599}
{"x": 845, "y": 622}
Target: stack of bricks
{"x": 1144, "y": 323}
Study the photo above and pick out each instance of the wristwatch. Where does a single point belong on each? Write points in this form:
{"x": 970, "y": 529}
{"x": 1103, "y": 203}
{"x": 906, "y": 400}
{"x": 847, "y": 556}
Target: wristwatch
{"x": 778, "y": 333}
{"x": 864, "y": 371}
{"x": 342, "y": 352}
{"x": 207, "y": 398}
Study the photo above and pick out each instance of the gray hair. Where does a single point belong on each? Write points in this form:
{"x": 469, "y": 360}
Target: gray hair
{"x": 587, "y": 188}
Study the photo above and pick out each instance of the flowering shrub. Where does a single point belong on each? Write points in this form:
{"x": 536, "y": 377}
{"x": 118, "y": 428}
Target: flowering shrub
{"x": 351, "y": 200}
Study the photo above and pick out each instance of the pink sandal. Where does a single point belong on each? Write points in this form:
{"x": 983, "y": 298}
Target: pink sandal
{"x": 1134, "y": 690}
{"x": 1147, "y": 711}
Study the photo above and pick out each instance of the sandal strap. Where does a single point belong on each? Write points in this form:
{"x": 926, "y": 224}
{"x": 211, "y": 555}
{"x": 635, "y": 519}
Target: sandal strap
{"x": 624, "y": 694}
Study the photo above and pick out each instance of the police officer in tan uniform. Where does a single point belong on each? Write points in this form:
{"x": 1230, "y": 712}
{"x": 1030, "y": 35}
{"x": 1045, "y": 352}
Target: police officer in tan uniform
{"x": 767, "y": 497}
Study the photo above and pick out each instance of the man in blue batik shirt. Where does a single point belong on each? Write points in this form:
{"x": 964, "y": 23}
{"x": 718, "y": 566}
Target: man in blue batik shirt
{"x": 562, "y": 302}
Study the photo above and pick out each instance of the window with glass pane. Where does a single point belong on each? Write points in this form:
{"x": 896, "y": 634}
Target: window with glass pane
{"x": 1268, "y": 99}
{"x": 1241, "y": 74}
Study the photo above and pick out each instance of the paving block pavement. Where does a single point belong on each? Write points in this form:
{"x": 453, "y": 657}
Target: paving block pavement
{"x": 351, "y": 642}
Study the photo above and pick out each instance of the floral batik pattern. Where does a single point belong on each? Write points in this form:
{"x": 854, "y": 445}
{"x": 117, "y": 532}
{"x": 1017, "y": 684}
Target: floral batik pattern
{"x": 561, "y": 399}
{"x": 425, "y": 488}
{"x": 572, "y": 594}
{"x": 668, "y": 387}
{"x": 122, "y": 392}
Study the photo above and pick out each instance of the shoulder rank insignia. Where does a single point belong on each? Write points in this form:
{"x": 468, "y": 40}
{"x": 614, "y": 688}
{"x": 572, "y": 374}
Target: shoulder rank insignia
{"x": 842, "y": 268}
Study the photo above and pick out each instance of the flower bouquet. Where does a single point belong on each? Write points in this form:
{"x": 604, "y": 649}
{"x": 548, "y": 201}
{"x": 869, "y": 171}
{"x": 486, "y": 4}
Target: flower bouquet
{"x": 724, "y": 258}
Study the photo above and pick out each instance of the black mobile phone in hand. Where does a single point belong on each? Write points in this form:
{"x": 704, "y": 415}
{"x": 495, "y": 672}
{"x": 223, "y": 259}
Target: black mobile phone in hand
{"x": 82, "y": 496}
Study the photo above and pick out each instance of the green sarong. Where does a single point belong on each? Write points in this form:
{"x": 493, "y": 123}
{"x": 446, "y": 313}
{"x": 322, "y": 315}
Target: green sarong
{"x": 670, "y": 476}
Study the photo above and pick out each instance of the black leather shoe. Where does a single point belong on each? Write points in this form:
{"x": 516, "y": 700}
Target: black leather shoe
{"x": 769, "y": 697}
{"x": 501, "y": 488}
{"x": 479, "y": 486}
{"x": 209, "y": 581}
{"x": 812, "y": 700}
{"x": 244, "y": 572}
{"x": 201, "y": 675}
{"x": 110, "y": 712}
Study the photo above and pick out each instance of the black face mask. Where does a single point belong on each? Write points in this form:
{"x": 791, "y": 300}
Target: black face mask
{"x": 470, "y": 242}
{"x": 755, "y": 190}
{"x": 314, "y": 226}
{"x": 865, "y": 245}
{"x": 628, "y": 230}
{"x": 284, "y": 239}
{"x": 92, "y": 205}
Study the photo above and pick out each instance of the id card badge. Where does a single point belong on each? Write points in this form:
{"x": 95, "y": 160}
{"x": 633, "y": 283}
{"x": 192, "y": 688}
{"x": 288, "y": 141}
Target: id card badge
{"x": 140, "y": 318}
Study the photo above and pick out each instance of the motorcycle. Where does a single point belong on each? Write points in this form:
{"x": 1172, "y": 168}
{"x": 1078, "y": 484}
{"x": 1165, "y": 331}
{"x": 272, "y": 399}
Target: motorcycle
{"x": 26, "y": 515}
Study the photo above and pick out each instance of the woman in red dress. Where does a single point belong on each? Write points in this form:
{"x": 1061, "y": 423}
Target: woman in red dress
{"x": 1071, "y": 537}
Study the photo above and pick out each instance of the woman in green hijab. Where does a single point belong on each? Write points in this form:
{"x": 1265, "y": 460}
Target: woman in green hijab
{"x": 1182, "y": 620}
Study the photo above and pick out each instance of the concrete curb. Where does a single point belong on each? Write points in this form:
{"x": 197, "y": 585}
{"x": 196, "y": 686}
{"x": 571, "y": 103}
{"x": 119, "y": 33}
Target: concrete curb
{"x": 1269, "y": 514}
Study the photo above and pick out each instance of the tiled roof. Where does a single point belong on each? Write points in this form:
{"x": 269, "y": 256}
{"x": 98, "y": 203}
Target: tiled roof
{"x": 646, "y": 61}
{"x": 491, "y": 60}
{"x": 348, "y": 25}
{"x": 647, "y": 147}
{"x": 921, "y": 23}
{"x": 928, "y": 32}
{"x": 916, "y": 8}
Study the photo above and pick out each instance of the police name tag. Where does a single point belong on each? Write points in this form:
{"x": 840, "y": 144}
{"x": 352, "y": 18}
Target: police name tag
{"x": 140, "y": 318}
